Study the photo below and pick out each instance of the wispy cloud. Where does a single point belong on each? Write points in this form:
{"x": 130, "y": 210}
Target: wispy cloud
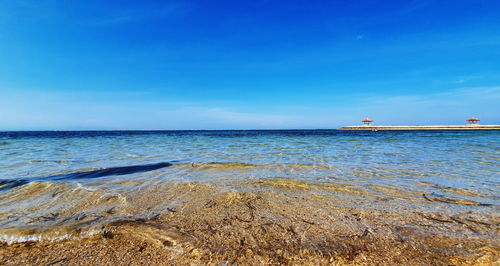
{"x": 465, "y": 79}
{"x": 454, "y": 96}
{"x": 476, "y": 93}
{"x": 129, "y": 15}
{"x": 248, "y": 118}
{"x": 414, "y": 6}
{"x": 112, "y": 20}
{"x": 237, "y": 119}
{"x": 128, "y": 111}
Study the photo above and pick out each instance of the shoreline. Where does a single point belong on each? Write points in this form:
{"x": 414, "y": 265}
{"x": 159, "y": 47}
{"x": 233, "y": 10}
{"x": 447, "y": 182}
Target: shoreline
{"x": 437, "y": 127}
{"x": 274, "y": 222}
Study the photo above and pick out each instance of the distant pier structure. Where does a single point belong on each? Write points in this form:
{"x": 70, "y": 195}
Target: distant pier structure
{"x": 367, "y": 122}
{"x": 472, "y": 125}
{"x": 473, "y": 121}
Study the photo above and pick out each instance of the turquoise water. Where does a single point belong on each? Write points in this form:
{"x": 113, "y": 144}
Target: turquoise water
{"x": 44, "y": 173}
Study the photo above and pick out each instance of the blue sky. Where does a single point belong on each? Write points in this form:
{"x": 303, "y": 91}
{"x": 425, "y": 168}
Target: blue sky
{"x": 247, "y": 64}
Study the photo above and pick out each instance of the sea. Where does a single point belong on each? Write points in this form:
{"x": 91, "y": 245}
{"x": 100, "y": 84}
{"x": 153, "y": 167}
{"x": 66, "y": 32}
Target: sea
{"x": 81, "y": 180}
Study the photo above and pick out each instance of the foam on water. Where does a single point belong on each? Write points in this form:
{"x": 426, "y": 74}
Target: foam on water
{"x": 13, "y": 237}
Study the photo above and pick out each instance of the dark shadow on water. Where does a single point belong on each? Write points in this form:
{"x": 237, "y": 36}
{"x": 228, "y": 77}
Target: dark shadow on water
{"x": 123, "y": 170}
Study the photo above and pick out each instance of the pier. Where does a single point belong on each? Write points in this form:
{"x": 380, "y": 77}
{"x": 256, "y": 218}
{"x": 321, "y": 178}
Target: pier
{"x": 443, "y": 127}
{"x": 472, "y": 125}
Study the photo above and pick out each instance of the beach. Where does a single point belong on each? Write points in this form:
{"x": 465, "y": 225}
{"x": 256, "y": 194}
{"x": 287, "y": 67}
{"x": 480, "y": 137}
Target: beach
{"x": 288, "y": 224}
{"x": 249, "y": 132}
{"x": 250, "y": 197}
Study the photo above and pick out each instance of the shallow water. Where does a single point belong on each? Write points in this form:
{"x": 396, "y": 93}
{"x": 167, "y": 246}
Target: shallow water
{"x": 54, "y": 180}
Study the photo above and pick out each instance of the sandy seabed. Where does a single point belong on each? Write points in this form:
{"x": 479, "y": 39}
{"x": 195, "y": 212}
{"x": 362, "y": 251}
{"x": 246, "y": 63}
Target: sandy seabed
{"x": 276, "y": 221}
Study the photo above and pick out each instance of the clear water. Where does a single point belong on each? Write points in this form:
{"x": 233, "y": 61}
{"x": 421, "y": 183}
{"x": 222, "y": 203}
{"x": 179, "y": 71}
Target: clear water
{"x": 49, "y": 173}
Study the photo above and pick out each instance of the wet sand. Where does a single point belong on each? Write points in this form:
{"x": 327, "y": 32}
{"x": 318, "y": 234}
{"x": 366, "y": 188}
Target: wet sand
{"x": 277, "y": 221}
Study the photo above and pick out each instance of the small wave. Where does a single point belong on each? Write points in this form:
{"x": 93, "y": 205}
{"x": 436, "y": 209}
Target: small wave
{"x": 52, "y": 161}
{"x": 298, "y": 185}
{"x": 134, "y": 156}
{"x": 440, "y": 198}
{"x": 16, "y": 165}
{"x": 239, "y": 166}
{"x": 223, "y": 166}
{"x": 460, "y": 191}
{"x": 10, "y": 237}
{"x": 8, "y": 184}
{"x": 319, "y": 166}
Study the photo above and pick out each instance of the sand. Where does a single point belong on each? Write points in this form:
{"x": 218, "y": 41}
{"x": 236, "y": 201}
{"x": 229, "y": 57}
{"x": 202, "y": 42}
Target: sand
{"x": 273, "y": 222}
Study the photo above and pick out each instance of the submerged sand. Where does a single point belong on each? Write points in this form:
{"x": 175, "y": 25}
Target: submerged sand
{"x": 276, "y": 221}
